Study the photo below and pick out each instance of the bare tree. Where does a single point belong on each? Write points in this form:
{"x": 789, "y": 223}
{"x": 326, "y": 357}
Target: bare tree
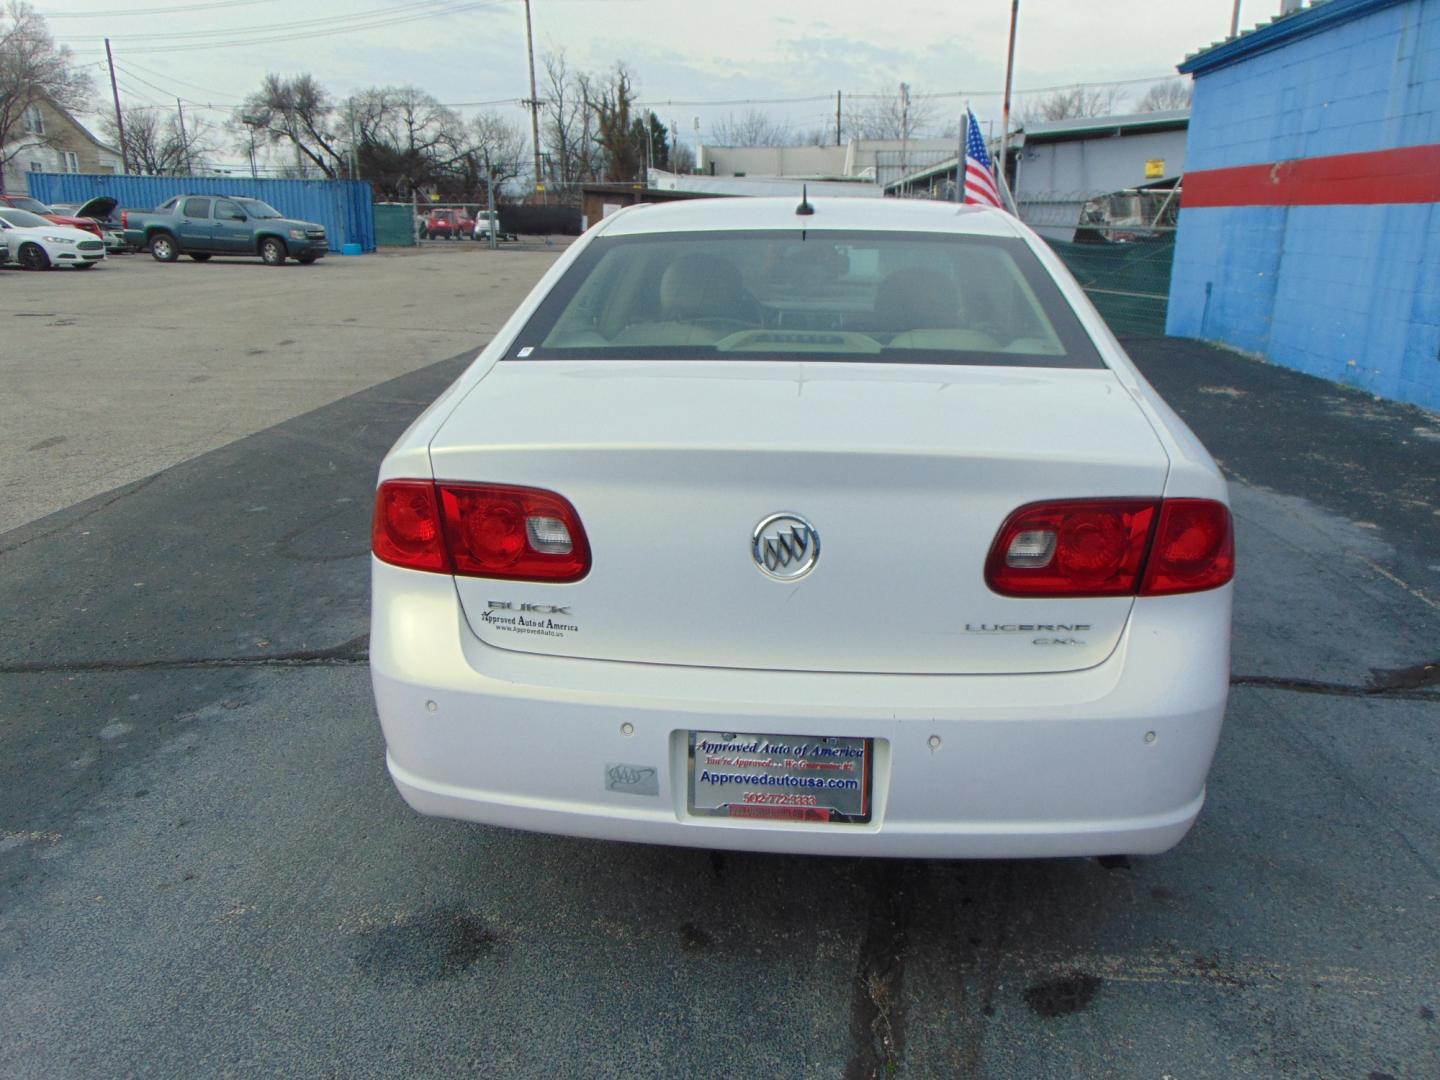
{"x": 297, "y": 110}
{"x": 1075, "y": 103}
{"x": 404, "y": 140}
{"x": 568, "y": 129}
{"x": 753, "y": 128}
{"x": 885, "y": 115}
{"x": 619, "y": 140}
{"x": 682, "y": 157}
{"x": 1171, "y": 94}
{"x": 500, "y": 146}
{"x": 157, "y": 143}
{"x": 33, "y": 70}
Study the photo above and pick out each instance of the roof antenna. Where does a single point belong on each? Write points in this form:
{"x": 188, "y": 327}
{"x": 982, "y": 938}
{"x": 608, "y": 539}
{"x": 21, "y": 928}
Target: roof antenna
{"x": 804, "y": 209}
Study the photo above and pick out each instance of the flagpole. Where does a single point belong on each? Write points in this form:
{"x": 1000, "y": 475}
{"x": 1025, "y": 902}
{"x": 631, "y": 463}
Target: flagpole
{"x": 1009, "y": 72}
{"x": 960, "y": 156}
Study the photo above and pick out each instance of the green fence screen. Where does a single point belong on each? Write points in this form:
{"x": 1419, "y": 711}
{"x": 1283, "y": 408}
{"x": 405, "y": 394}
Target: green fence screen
{"x": 394, "y": 224}
{"x": 1128, "y": 281}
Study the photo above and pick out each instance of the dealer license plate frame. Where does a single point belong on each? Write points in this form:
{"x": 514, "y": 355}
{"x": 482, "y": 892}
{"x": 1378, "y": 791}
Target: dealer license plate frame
{"x": 776, "y": 803}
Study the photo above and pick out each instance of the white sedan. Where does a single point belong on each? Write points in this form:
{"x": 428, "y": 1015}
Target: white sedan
{"x": 842, "y": 528}
{"x": 37, "y": 244}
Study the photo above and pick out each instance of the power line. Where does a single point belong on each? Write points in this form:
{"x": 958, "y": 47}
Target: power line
{"x": 850, "y": 96}
{"x": 176, "y": 79}
{"x": 338, "y": 22}
{"x": 393, "y": 21}
{"x": 115, "y": 13}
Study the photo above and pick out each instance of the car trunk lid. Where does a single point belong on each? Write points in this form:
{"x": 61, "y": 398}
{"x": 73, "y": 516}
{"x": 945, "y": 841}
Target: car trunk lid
{"x": 906, "y": 473}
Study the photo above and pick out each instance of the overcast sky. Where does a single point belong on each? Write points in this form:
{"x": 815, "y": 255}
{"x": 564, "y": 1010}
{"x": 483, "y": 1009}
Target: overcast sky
{"x": 680, "y": 51}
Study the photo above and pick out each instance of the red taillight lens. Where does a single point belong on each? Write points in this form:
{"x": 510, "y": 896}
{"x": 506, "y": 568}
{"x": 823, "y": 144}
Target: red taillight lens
{"x": 1194, "y": 548}
{"x": 406, "y": 528}
{"x": 523, "y": 534}
{"x": 124, "y": 219}
{"x": 1112, "y": 547}
{"x": 1089, "y": 547}
{"x": 479, "y": 530}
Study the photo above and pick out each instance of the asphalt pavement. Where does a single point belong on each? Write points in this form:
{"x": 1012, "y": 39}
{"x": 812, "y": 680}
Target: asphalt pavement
{"x": 204, "y": 870}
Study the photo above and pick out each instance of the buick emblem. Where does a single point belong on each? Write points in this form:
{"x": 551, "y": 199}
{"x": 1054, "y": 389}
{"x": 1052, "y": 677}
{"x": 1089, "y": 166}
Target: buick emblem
{"x": 785, "y": 546}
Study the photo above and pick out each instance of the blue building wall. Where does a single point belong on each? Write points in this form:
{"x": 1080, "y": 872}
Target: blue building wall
{"x": 1350, "y": 293}
{"x": 344, "y": 207}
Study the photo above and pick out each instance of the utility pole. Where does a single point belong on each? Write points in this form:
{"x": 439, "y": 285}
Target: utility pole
{"x": 1009, "y": 74}
{"x": 534, "y": 99}
{"x": 119, "y": 120}
{"x": 837, "y": 117}
{"x": 185, "y": 140}
{"x": 904, "y": 130}
{"x": 1235, "y": 20}
{"x": 354, "y": 169}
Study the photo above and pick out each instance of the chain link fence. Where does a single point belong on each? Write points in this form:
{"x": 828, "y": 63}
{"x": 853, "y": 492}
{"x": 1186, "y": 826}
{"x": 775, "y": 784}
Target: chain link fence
{"x": 1119, "y": 245}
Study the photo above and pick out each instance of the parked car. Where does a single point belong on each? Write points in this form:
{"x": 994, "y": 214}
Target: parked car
{"x": 204, "y": 225}
{"x": 840, "y": 528}
{"x": 50, "y": 213}
{"x": 37, "y": 243}
{"x": 486, "y": 222}
{"x": 443, "y": 224}
{"x": 103, "y": 211}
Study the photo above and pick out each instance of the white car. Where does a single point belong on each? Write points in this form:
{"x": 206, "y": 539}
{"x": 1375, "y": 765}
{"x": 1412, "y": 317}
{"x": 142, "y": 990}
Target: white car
{"x": 486, "y": 222}
{"x": 37, "y": 244}
{"x": 841, "y": 528}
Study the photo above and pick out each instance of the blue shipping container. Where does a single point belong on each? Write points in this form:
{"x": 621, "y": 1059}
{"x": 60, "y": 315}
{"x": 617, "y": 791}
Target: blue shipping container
{"x": 344, "y": 207}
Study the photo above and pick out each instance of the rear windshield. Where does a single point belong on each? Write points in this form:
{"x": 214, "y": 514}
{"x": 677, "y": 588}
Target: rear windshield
{"x": 916, "y": 298}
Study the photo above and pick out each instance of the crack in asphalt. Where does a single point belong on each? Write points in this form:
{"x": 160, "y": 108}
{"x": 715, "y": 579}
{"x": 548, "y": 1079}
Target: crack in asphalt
{"x": 1404, "y": 684}
{"x": 877, "y": 1003}
{"x": 124, "y": 492}
{"x": 353, "y": 653}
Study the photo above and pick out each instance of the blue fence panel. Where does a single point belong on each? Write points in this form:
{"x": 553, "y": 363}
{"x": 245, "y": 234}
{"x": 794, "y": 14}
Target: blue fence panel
{"x": 344, "y": 207}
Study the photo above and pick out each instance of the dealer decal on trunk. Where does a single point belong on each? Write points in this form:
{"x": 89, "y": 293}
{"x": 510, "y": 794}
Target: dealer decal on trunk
{"x": 540, "y": 620}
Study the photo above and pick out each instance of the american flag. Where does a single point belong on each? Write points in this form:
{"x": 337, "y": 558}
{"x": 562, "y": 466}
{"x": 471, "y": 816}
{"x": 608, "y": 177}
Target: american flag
{"x": 979, "y": 181}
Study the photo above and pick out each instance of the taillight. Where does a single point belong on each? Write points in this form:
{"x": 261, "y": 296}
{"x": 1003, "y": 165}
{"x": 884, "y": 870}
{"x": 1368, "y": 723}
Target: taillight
{"x": 406, "y": 527}
{"x": 1090, "y": 547}
{"x": 479, "y": 530}
{"x": 1112, "y": 547}
{"x": 1194, "y": 548}
{"x": 124, "y": 219}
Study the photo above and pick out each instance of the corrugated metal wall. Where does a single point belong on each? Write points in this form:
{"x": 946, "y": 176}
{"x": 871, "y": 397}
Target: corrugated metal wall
{"x": 344, "y": 207}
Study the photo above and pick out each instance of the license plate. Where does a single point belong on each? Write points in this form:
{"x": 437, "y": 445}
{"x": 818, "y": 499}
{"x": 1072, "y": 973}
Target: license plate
{"x": 787, "y": 778}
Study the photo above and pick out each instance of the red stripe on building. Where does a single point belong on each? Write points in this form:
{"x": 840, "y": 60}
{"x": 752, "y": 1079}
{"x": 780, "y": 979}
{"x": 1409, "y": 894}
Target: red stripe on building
{"x": 1408, "y": 174}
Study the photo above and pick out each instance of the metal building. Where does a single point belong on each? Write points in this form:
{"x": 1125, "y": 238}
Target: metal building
{"x": 1060, "y": 166}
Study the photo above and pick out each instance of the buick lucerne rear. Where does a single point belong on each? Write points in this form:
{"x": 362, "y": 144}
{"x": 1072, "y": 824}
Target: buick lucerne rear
{"x": 851, "y": 531}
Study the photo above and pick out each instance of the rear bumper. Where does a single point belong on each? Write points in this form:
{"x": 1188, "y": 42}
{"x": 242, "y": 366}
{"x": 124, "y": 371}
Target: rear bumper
{"x": 1110, "y": 760}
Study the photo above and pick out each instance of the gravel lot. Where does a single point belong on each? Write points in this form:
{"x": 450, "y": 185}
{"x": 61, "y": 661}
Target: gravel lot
{"x": 204, "y": 870}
